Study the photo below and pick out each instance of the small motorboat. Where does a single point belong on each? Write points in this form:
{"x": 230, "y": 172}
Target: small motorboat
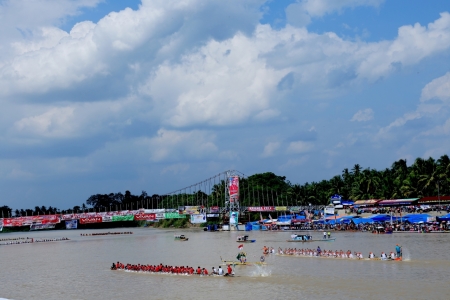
{"x": 244, "y": 239}
{"x": 181, "y": 237}
{"x": 303, "y": 238}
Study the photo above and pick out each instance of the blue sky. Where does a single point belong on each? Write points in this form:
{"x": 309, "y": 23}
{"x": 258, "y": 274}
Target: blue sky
{"x": 109, "y": 96}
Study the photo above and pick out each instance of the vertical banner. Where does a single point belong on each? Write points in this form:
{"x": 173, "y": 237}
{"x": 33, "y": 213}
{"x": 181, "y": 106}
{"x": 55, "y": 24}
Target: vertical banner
{"x": 234, "y": 218}
{"x": 233, "y": 188}
{"x": 72, "y": 224}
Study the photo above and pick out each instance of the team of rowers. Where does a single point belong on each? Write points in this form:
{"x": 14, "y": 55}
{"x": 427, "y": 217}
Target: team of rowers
{"x": 32, "y": 240}
{"x": 337, "y": 253}
{"x": 14, "y": 239}
{"x": 106, "y": 233}
{"x": 174, "y": 270}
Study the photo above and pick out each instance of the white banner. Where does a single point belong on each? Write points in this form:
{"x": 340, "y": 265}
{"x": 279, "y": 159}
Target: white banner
{"x": 329, "y": 211}
{"x": 198, "y": 219}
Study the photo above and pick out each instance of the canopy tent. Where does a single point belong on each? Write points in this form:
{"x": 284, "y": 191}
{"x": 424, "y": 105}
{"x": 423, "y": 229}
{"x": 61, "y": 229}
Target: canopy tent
{"x": 347, "y": 202}
{"x": 366, "y": 202}
{"x": 357, "y": 221}
{"x": 380, "y": 218}
{"x": 443, "y": 218}
{"x": 398, "y": 202}
{"x": 416, "y": 218}
{"x": 435, "y": 200}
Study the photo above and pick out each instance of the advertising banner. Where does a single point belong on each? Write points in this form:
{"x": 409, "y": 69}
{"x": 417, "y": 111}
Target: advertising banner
{"x": 261, "y": 208}
{"x": 295, "y": 208}
{"x": 145, "y": 217}
{"x": 123, "y": 218}
{"x": 173, "y": 215}
{"x": 234, "y": 218}
{"x": 281, "y": 208}
{"x": 152, "y": 211}
{"x": 214, "y": 209}
{"x": 233, "y": 188}
{"x": 198, "y": 219}
{"x": 212, "y": 215}
{"x": 72, "y": 224}
{"x": 107, "y": 218}
{"x": 159, "y": 216}
{"x": 90, "y": 220}
{"x": 27, "y": 221}
{"x": 329, "y": 210}
{"x": 190, "y": 210}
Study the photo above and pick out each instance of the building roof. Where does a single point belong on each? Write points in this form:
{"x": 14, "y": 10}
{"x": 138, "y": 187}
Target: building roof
{"x": 367, "y": 202}
{"x": 397, "y": 202}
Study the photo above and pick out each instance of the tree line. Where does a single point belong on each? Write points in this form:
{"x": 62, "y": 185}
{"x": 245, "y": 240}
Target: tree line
{"x": 425, "y": 177}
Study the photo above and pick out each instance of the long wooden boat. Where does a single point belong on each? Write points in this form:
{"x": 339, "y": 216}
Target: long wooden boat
{"x": 239, "y": 263}
{"x": 310, "y": 241}
{"x": 172, "y": 274}
{"x": 181, "y": 238}
{"x": 398, "y": 259}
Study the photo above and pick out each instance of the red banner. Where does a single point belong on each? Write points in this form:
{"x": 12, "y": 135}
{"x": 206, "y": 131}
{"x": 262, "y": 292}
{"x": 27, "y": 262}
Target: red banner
{"x": 90, "y": 220}
{"x": 233, "y": 188}
{"x": 27, "y": 221}
{"x": 261, "y": 208}
{"x": 145, "y": 217}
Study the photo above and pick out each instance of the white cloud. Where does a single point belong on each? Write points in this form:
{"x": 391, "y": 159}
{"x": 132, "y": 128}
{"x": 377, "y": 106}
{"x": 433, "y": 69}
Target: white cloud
{"x": 171, "y": 145}
{"x": 300, "y": 147}
{"x": 363, "y": 115}
{"x": 211, "y": 87}
{"x": 270, "y": 149}
{"x": 438, "y": 88}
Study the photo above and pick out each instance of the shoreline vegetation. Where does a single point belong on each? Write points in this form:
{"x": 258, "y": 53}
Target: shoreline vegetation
{"x": 423, "y": 178}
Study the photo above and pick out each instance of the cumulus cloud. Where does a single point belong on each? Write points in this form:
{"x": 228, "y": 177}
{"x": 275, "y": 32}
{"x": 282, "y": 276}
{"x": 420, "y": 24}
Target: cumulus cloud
{"x": 363, "y": 115}
{"x": 171, "y": 145}
{"x": 438, "y": 88}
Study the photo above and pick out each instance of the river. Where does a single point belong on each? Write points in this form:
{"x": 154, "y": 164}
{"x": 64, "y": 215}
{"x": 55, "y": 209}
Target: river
{"x": 79, "y": 268}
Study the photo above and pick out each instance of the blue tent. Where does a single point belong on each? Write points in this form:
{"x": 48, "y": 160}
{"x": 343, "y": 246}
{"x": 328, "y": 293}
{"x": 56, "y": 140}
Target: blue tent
{"x": 416, "y": 218}
{"x": 380, "y": 218}
{"x": 443, "y": 218}
{"x": 362, "y": 220}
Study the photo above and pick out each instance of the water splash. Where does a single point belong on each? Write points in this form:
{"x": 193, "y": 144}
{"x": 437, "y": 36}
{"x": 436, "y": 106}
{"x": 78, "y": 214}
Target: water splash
{"x": 261, "y": 271}
{"x": 406, "y": 255}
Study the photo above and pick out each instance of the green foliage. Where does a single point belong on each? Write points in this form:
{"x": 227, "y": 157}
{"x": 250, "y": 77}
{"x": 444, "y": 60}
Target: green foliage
{"x": 176, "y": 223}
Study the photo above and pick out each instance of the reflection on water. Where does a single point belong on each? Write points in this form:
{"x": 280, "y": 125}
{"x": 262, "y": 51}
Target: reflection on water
{"x": 79, "y": 268}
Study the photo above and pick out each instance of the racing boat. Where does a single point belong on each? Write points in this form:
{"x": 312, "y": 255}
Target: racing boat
{"x": 241, "y": 262}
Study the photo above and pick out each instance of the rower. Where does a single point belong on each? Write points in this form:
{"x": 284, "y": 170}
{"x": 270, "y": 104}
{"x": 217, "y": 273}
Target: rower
{"x": 229, "y": 271}
{"x": 220, "y": 271}
{"x": 214, "y": 271}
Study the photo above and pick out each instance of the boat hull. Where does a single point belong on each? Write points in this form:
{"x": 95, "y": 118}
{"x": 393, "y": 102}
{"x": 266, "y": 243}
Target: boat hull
{"x": 310, "y": 241}
{"x": 238, "y": 263}
{"x": 247, "y": 241}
